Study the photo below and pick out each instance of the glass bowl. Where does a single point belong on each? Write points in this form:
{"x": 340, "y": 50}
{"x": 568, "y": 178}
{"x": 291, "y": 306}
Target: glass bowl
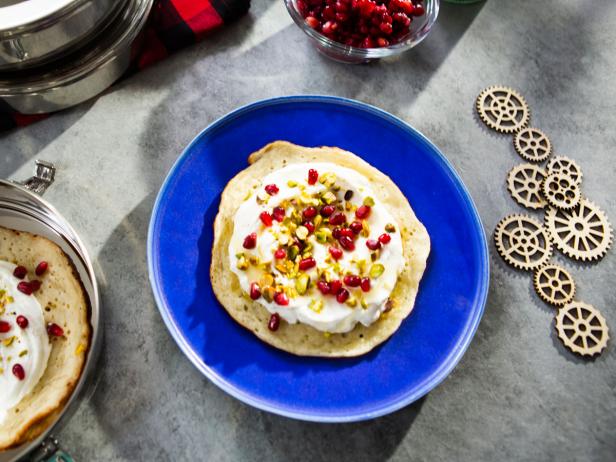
{"x": 420, "y": 28}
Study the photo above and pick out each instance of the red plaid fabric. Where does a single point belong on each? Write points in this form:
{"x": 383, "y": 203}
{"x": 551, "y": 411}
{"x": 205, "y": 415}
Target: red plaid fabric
{"x": 173, "y": 25}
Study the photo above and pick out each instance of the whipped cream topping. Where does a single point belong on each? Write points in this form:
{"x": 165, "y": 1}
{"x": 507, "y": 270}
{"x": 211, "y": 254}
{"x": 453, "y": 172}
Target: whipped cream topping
{"x": 346, "y": 190}
{"x": 27, "y": 347}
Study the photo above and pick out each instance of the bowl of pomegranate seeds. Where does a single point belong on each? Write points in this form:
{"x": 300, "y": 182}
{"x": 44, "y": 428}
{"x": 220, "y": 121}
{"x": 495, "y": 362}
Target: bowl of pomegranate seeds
{"x": 355, "y": 31}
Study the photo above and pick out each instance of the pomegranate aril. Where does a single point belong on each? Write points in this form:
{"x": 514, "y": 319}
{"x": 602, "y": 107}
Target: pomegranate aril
{"x": 347, "y": 243}
{"x": 274, "y": 322}
{"x": 255, "y": 291}
{"x": 352, "y": 280}
{"x": 387, "y": 29}
{"x": 20, "y": 272}
{"x": 342, "y": 296}
{"x": 312, "y": 22}
{"x": 323, "y": 287}
{"x": 271, "y": 189}
{"x": 384, "y": 238}
{"x": 278, "y": 214}
{"x": 307, "y": 263}
{"x": 337, "y": 218}
{"x": 309, "y": 226}
{"x": 419, "y": 10}
{"x": 54, "y": 330}
{"x": 335, "y": 286}
{"x": 281, "y": 298}
{"x": 335, "y": 252}
{"x": 327, "y": 210}
{"x": 35, "y": 285}
{"x": 367, "y": 43}
{"x": 365, "y": 284}
{"x": 266, "y": 218}
{"x": 250, "y": 241}
{"x": 313, "y": 176}
{"x": 18, "y": 371}
{"x": 4, "y": 327}
{"x": 373, "y": 244}
{"x": 347, "y": 232}
{"x": 336, "y": 233}
{"x": 25, "y": 287}
{"x": 310, "y": 212}
{"x": 382, "y": 42}
{"x": 363, "y": 212}
{"x": 21, "y": 321}
{"x": 356, "y": 227}
{"x": 280, "y": 254}
{"x": 41, "y": 268}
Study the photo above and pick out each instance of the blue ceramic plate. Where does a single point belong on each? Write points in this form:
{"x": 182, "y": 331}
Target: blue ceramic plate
{"x": 430, "y": 341}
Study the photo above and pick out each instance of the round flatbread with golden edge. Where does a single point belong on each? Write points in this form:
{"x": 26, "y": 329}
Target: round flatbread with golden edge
{"x": 302, "y": 339}
{"x": 63, "y": 300}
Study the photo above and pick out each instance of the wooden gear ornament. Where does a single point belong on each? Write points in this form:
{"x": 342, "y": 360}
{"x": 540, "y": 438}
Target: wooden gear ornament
{"x": 532, "y": 144}
{"x": 524, "y": 183}
{"x": 562, "y": 164}
{"x": 561, "y": 191}
{"x": 502, "y": 109}
{"x": 554, "y": 285}
{"x": 582, "y": 328}
{"x": 523, "y": 242}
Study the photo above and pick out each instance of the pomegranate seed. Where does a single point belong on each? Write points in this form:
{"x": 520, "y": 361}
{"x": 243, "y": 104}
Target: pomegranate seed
{"x": 35, "y": 285}
{"x": 384, "y": 238}
{"x": 18, "y": 371}
{"x": 20, "y": 272}
{"x": 312, "y": 22}
{"x": 22, "y": 322}
{"x": 342, "y": 295}
{"x": 352, "y": 280}
{"x": 419, "y": 10}
{"x": 278, "y": 214}
{"x": 386, "y": 28}
{"x": 274, "y": 322}
{"x": 373, "y": 244}
{"x": 336, "y": 233}
{"x": 382, "y": 42}
{"x": 266, "y": 218}
{"x": 347, "y": 232}
{"x": 25, "y": 287}
{"x": 335, "y": 286}
{"x": 309, "y": 226}
{"x": 280, "y": 254}
{"x": 347, "y": 243}
{"x": 313, "y": 176}
{"x": 310, "y": 212}
{"x": 271, "y": 189}
{"x": 41, "y": 268}
{"x": 335, "y": 252}
{"x": 362, "y": 212}
{"x": 337, "y": 218}
{"x": 281, "y": 298}
{"x": 327, "y": 210}
{"x": 255, "y": 291}
{"x": 365, "y": 284}
{"x": 356, "y": 227}
{"x": 367, "y": 43}
{"x": 4, "y": 327}
{"x": 250, "y": 241}
{"x": 54, "y": 330}
{"x": 323, "y": 287}
{"x": 307, "y": 263}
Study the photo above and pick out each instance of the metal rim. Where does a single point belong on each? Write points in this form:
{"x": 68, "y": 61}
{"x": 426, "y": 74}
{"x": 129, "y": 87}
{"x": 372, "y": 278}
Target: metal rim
{"x": 42, "y": 20}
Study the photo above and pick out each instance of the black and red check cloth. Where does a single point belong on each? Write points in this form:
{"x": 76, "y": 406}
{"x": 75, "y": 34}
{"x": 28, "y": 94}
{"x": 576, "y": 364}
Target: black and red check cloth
{"x": 172, "y": 25}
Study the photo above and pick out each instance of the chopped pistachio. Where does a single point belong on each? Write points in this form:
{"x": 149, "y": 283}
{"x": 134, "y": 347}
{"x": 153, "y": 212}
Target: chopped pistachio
{"x": 283, "y": 239}
{"x": 316, "y": 305}
{"x": 268, "y": 293}
{"x": 323, "y": 235}
{"x": 361, "y": 265}
{"x": 327, "y": 179}
{"x": 351, "y": 301}
{"x": 266, "y": 280}
{"x": 293, "y": 252}
{"x": 302, "y": 283}
{"x": 348, "y": 206}
{"x": 282, "y": 268}
{"x": 262, "y": 197}
{"x": 247, "y": 196}
{"x": 374, "y": 256}
{"x": 23, "y": 353}
{"x": 254, "y": 260}
{"x": 318, "y": 220}
{"x": 369, "y": 201}
{"x": 328, "y": 197}
{"x": 376, "y": 270}
{"x": 390, "y": 228}
{"x": 242, "y": 263}
{"x": 301, "y": 232}
{"x": 363, "y": 303}
{"x": 291, "y": 184}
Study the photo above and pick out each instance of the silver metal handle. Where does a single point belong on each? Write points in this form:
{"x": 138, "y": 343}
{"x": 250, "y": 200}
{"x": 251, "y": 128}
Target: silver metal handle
{"x": 43, "y": 177}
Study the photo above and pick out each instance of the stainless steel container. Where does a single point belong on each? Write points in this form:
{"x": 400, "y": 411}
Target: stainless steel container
{"x": 81, "y": 75}
{"x": 35, "y": 31}
{"x": 22, "y": 208}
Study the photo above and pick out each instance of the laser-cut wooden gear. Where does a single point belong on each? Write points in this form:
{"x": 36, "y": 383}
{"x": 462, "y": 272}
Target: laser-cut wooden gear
{"x": 582, "y": 328}
{"x": 562, "y": 164}
{"x": 582, "y": 233}
{"x": 554, "y": 285}
{"x": 524, "y": 183}
{"x": 523, "y": 242}
{"x": 532, "y": 144}
{"x": 502, "y": 109}
{"x": 561, "y": 191}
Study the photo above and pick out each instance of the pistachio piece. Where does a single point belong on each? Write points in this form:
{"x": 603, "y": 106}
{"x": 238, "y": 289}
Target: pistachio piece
{"x": 390, "y": 228}
{"x": 291, "y": 184}
{"x": 302, "y": 283}
{"x": 369, "y": 201}
{"x": 301, "y": 232}
{"x": 242, "y": 263}
{"x": 376, "y": 270}
{"x": 293, "y": 252}
{"x": 328, "y": 197}
{"x": 316, "y": 305}
{"x": 351, "y": 301}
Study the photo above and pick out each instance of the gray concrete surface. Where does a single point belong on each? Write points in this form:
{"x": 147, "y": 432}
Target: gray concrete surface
{"x": 517, "y": 393}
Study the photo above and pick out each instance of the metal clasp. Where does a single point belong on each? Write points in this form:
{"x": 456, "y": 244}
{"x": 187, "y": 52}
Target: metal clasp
{"x": 43, "y": 177}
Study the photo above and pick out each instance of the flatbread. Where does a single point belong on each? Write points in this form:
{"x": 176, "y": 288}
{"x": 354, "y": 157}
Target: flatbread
{"x": 302, "y": 339}
{"x": 64, "y": 303}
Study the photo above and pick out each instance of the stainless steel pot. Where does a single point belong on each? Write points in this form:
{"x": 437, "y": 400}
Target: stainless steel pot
{"x": 22, "y": 208}
{"x": 35, "y": 31}
{"x": 81, "y": 75}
